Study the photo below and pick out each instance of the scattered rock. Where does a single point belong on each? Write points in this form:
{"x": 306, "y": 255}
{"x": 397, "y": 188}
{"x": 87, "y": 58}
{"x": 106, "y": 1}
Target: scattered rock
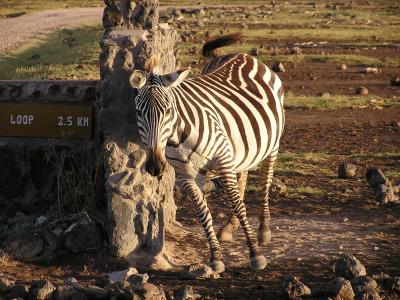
{"x": 150, "y": 291}
{"x": 26, "y": 247}
{"x": 277, "y": 186}
{"x": 201, "y": 271}
{"x": 371, "y": 70}
{"x": 349, "y": 267}
{"x": 294, "y": 288}
{"x": 41, "y": 290}
{"x": 346, "y": 170}
{"x": 71, "y": 281}
{"x": 64, "y": 292}
{"x": 295, "y": 50}
{"x": 362, "y": 90}
{"x": 340, "y": 289}
{"x": 137, "y": 280}
{"x": 199, "y": 23}
{"x": 342, "y": 67}
{"x": 185, "y": 293}
{"x": 381, "y": 186}
{"x": 122, "y": 275}
{"x": 82, "y": 236}
{"x": 395, "y": 81}
{"x": 368, "y": 294}
{"x": 255, "y": 52}
{"x": 362, "y": 283}
{"x": 278, "y": 67}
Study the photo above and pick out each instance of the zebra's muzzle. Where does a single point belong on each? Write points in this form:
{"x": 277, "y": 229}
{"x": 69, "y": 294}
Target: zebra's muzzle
{"x": 155, "y": 164}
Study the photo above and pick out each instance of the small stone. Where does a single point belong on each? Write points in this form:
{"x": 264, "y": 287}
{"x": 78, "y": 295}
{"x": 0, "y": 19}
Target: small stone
{"x": 185, "y": 293}
{"x": 255, "y": 52}
{"x": 64, "y": 292}
{"x": 122, "y": 275}
{"x": 199, "y": 23}
{"x": 346, "y": 170}
{"x": 295, "y": 50}
{"x": 294, "y": 288}
{"x": 362, "y": 283}
{"x": 82, "y": 236}
{"x": 349, "y": 267}
{"x": 363, "y": 91}
{"x": 278, "y": 67}
{"x": 340, "y": 289}
{"x": 150, "y": 291}
{"x": 41, "y": 290}
{"x": 71, "y": 281}
{"x": 137, "y": 280}
{"x": 26, "y": 247}
{"x": 201, "y": 271}
{"x": 381, "y": 186}
{"x": 395, "y": 81}
{"x": 277, "y": 186}
{"x": 343, "y": 67}
{"x": 369, "y": 294}
{"x": 371, "y": 70}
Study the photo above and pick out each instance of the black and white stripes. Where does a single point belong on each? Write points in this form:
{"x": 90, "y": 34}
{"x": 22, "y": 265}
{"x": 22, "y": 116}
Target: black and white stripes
{"x": 226, "y": 121}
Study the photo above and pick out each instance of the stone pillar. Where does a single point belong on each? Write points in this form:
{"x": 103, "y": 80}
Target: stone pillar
{"x": 139, "y": 205}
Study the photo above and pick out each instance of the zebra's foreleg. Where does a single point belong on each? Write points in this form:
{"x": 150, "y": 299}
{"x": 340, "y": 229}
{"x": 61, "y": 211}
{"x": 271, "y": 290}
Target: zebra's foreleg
{"x": 264, "y": 231}
{"x": 229, "y": 180}
{"x": 228, "y": 231}
{"x": 191, "y": 190}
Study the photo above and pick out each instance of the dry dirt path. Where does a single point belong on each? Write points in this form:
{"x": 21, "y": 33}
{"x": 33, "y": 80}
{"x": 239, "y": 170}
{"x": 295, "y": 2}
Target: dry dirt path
{"x": 15, "y": 32}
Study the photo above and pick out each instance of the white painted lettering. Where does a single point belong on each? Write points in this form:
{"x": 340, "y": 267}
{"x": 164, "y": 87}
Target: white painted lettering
{"x": 21, "y": 119}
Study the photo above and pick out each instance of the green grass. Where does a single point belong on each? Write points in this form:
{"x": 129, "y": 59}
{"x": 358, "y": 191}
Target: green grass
{"x": 334, "y": 101}
{"x": 63, "y": 54}
{"x": 305, "y": 190}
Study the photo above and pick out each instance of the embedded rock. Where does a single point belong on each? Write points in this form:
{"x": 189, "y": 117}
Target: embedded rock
{"x": 294, "y": 288}
{"x": 381, "y": 186}
{"x": 340, "y": 289}
{"x": 349, "y": 267}
{"x": 346, "y": 170}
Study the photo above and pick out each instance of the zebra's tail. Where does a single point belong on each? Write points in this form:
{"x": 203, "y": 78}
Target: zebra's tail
{"x": 221, "y": 41}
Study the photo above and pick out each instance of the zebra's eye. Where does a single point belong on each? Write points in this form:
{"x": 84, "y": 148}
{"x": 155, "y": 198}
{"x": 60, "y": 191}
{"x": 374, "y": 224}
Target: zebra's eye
{"x": 168, "y": 110}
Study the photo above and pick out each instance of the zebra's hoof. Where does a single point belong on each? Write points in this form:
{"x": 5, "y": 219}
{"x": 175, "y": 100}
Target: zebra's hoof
{"x": 217, "y": 266}
{"x": 264, "y": 237}
{"x": 259, "y": 262}
{"x": 226, "y": 232}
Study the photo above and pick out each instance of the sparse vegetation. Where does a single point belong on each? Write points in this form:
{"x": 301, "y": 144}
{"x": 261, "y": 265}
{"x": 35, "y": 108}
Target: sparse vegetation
{"x": 63, "y": 54}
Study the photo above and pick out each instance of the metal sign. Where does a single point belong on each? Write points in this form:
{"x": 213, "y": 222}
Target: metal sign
{"x": 46, "y": 120}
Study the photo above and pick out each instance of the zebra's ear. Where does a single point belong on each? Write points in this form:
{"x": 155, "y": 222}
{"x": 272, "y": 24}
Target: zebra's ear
{"x": 175, "y": 79}
{"x": 137, "y": 79}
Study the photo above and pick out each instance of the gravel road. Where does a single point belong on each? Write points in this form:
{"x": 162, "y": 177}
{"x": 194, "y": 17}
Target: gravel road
{"x": 17, "y": 31}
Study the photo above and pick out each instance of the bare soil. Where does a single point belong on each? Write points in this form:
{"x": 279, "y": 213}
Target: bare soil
{"x": 309, "y": 231}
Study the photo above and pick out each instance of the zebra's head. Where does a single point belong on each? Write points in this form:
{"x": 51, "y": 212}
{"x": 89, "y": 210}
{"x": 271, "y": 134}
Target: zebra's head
{"x": 156, "y": 112}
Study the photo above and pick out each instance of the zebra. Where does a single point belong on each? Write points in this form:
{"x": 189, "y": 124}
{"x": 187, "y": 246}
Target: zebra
{"x": 225, "y": 121}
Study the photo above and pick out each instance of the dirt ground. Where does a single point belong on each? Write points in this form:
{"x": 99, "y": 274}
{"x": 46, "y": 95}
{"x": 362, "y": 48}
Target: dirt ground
{"x": 309, "y": 231}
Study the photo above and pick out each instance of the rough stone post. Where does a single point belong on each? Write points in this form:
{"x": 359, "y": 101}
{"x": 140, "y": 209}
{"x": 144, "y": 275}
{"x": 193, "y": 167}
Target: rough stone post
{"x": 139, "y": 206}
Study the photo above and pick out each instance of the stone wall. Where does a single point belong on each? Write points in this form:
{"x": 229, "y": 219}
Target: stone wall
{"x": 139, "y": 205}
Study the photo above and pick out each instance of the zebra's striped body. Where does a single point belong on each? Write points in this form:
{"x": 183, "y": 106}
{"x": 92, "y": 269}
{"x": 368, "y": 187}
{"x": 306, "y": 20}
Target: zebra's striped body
{"x": 215, "y": 111}
{"x": 225, "y": 121}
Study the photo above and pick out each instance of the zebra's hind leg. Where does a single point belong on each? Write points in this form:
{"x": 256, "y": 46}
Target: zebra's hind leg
{"x": 264, "y": 231}
{"x": 258, "y": 261}
{"x": 192, "y": 190}
{"x": 227, "y": 231}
